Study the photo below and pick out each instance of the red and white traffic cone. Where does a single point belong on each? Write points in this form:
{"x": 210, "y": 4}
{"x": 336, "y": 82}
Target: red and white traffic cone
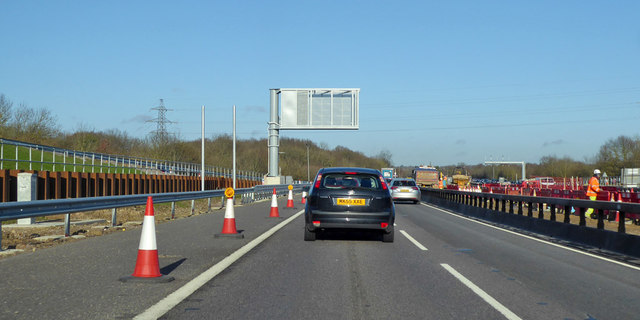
{"x": 304, "y": 197}
{"x": 147, "y": 265}
{"x": 290, "y": 199}
{"x": 229, "y": 225}
{"x": 619, "y": 200}
{"x": 274, "y": 206}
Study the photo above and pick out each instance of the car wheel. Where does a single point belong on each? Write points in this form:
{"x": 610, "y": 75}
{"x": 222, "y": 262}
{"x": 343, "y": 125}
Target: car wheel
{"x": 415, "y": 201}
{"x": 388, "y": 237}
{"x": 309, "y": 235}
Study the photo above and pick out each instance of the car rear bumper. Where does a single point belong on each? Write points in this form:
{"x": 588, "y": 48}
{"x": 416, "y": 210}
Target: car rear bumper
{"x": 406, "y": 196}
{"x": 349, "y": 220}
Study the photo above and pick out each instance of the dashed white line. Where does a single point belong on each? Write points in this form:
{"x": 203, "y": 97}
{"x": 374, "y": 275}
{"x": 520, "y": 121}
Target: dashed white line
{"x": 536, "y": 239}
{"x": 418, "y": 244}
{"x": 481, "y": 293}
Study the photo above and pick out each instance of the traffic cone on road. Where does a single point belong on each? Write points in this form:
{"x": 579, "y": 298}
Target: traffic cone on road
{"x": 304, "y": 197}
{"x": 147, "y": 265}
{"x": 290, "y": 197}
{"x": 229, "y": 224}
{"x": 274, "y": 206}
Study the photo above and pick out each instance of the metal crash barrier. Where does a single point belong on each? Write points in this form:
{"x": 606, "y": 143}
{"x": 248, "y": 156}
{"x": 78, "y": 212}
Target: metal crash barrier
{"x": 40, "y": 208}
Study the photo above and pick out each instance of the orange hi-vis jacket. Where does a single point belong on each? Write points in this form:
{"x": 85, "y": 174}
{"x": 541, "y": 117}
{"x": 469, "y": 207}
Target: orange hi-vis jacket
{"x": 593, "y": 188}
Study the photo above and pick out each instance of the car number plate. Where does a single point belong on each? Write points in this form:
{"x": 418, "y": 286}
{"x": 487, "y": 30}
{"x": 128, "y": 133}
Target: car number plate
{"x": 349, "y": 202}
{"x": 405, "y": 190}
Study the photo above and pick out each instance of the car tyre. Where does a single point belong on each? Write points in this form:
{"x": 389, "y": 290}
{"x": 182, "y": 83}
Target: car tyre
{"x": 415, "y": 201}
{"x": 309, "y": 235}
{"x": 388, "y": 237}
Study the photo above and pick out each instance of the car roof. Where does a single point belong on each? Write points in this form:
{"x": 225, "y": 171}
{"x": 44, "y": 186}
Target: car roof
{"x": 350, "y": 169}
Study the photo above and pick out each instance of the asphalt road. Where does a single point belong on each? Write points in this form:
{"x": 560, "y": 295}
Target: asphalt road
{"x": 441, "y": 266}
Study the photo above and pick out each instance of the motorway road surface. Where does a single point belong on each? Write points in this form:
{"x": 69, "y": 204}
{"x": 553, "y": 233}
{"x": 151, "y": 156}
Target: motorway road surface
{"x": 441, "y": 266}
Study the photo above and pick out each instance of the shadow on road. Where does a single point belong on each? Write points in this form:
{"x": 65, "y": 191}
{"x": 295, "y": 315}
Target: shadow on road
{"x": 168, "y": 269}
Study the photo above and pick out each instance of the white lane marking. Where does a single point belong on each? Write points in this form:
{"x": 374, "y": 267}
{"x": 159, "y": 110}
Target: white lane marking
{"x": 418, "y": 244}
{"x": 170, "y": 301}
{"x": 539, "y": 240}
{"x": 486, "y": 297}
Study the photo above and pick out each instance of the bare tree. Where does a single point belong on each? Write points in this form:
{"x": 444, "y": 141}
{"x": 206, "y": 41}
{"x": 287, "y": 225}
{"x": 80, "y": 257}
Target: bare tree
{"x": 5, "y": 114}
{"x": 618, "y": 153}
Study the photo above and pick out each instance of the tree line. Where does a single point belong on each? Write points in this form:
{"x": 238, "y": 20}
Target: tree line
{"x": 40, "y": 126}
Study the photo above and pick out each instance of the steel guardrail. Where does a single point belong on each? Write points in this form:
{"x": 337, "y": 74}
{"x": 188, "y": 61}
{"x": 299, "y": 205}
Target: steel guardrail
{"x": 506, "y": 203}
{"x": 115, "y": 162}
{"x": 40, "y": 208}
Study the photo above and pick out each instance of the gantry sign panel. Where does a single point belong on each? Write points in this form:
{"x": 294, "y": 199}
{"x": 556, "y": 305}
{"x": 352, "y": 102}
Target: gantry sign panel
{"x": 319, "y": 109}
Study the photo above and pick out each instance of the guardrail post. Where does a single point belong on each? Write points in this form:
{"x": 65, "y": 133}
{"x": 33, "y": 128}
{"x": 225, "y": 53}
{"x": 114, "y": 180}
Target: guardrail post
{"x": 193, "y": 207}
{"x": 114, "y": 213}
{"x": 67, "y": 225}
{"x": 621, "y": 221}
{"x": 567, "y": 214}
{"x": 541, "y": 211}
{"x": 173, "y": 210}
{"x": 600, "y": 218}
{"x": 552, "y": 210}
{"x": 530, "y": 209}
{"x": 27, "y": 191}
{"x": 583, "y": 220}
{"x": 520, "y": 208}
{"x": 208, "y": 204}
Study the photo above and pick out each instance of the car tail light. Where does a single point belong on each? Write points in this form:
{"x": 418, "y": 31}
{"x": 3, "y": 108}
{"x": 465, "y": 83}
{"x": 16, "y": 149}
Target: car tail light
{"x": 316, "y": 223}
{"x": 393, "y": 188}
{"x": 384, "y": 184}
{"x": 415, "y": 188}
{"x": 384, "y": 225}
{"x": 350, "y": 173}
{"x": 318, "y": 178}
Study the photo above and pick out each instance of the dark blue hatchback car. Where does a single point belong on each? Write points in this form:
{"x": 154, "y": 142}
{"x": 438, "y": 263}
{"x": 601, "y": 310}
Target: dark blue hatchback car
{"x": 349, "y": 198}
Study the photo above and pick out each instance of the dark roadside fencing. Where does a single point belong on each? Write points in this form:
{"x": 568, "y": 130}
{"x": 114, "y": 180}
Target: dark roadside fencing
{"x": 538, "y": 214}
{"x": 41, "y": 208}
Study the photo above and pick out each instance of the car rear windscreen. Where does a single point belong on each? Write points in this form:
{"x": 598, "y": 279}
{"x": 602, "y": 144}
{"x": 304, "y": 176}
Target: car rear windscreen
{"x": 341, "y": 181}
{"x": 404, "y": 183}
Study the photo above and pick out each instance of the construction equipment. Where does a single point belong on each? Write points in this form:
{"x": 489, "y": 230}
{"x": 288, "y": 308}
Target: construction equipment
{"x": 461, "y": 178}
{"x": 426, "y": 176}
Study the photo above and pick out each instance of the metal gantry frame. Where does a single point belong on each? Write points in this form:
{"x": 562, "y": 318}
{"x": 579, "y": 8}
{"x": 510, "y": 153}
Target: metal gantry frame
{"x": 276, "y": 123}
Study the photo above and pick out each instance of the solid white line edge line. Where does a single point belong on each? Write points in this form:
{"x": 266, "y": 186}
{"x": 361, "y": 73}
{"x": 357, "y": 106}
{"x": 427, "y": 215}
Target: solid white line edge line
{"x": 486, "y": 297}
{"x": 536, "y": 239}
{"x": 172, "y": 300}
{"x": 418, "y": 244}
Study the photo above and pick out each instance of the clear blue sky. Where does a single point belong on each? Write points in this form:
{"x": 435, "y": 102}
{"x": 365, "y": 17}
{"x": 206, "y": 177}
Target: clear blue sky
{"x": 442, "y": 82}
